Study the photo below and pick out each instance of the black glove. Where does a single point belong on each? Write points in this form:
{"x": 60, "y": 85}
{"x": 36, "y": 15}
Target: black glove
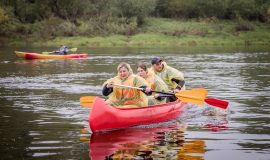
{"x": 106, "y": 91}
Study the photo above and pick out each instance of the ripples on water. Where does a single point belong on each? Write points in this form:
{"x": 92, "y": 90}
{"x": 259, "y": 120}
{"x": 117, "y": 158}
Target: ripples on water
{"x": 42, "y": 118}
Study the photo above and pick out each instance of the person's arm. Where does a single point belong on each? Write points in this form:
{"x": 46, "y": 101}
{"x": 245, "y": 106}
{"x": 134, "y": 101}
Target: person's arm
{"x": 161, "y": 96}
{"x": 141, "y": 83}
{"x": 107, "y": 90}
{"x": 180, "y": 83}
{"x": 146, "y": 90}
{"x": 66, "y": 49}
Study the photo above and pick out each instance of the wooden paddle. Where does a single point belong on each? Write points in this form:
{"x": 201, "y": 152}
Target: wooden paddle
{"x": 72, "y": 50}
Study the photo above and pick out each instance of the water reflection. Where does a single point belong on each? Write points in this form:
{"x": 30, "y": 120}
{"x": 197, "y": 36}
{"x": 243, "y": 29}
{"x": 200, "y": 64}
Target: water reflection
{"x": 146, "y": 143}
{"x": 40, "y": 113}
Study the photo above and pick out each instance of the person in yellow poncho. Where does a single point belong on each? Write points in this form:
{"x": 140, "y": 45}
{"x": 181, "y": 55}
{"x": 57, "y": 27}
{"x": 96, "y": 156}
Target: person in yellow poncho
{"x": 155, "y": 83}
{"x": 126, "y": 97}
{"x": 171, "y": 76}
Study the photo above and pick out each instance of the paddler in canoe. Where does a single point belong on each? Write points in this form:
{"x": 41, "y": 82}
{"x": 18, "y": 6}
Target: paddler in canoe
{"x": 63, "y": 50}
{"x": 155, "y": 83}
{"x": 171, "y": 76}
{"x": 126, "y": 97}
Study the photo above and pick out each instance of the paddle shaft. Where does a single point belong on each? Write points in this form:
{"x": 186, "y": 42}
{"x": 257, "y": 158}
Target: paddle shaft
{"x": 119, "y": 85}
{"x": 212, "y": 101}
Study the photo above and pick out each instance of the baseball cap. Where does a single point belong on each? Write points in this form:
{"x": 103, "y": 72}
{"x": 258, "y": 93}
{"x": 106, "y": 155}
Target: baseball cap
{"x": 156, "y": 60}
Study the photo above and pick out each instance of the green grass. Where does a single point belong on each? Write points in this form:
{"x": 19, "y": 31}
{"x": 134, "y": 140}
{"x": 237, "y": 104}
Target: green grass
{"x": 161, "y": 32}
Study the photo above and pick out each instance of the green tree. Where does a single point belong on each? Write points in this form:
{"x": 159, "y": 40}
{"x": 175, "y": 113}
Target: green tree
{"x": 71, "y": 9}
{"x": 136, "y": 8}
{"x": 3, "y": 15}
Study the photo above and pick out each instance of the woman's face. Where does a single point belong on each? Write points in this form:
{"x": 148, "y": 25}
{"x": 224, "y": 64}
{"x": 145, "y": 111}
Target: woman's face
{"x": 123, "y": 72}
{"x": 141, "y": 72}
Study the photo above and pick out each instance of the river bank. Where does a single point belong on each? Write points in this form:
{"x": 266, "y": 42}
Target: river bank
{"x": 162, "y": 32}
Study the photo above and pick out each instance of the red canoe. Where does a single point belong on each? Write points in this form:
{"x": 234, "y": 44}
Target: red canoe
{"x": 106, "y": 117}
{"x": 28, "y": 55}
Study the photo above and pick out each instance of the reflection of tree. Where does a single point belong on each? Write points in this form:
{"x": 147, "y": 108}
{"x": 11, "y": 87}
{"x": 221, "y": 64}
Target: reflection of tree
{"x": 145, "y": 143}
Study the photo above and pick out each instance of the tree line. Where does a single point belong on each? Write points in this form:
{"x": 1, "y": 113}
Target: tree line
{"x": 50, "y": 18}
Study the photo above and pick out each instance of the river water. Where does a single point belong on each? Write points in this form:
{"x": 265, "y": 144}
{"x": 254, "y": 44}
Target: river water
{"x": 41, "y": 117}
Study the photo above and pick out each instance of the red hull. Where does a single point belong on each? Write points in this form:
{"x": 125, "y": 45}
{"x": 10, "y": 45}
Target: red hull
{"x": 106, "y": 117}
{"x": 28, "y": 55}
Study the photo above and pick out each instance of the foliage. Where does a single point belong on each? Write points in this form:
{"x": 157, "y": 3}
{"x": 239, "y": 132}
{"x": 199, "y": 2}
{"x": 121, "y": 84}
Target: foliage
{"x": 51, "y": 18}
{"x": 3, "y": 15}
{"x": 224, "y": 9}
{"x": 136, "y": 8}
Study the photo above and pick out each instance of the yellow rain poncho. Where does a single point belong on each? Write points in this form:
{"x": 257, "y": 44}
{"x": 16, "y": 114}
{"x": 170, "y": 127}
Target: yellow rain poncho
{"x": 155, "y": 83}
{"x": 167, "y": 74}
{"x": 126, "y": 97}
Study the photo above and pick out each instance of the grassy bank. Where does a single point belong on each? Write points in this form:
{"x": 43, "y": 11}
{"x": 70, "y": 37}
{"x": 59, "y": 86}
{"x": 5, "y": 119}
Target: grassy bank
{"x": 160, "y": 32}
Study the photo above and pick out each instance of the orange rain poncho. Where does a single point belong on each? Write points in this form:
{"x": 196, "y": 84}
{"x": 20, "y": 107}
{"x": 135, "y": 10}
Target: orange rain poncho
{"x": 126, "y": 97}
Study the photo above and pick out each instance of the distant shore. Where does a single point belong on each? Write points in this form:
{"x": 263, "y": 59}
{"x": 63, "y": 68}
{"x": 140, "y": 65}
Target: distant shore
{"x": 161, "y": 32}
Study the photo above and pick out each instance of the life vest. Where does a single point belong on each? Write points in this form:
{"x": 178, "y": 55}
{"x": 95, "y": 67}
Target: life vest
{"x": 127, "y": 96}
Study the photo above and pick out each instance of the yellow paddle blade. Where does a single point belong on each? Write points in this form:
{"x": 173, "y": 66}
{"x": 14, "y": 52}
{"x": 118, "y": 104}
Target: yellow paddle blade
{"x": 87, "y": 101}
{"x": 73, "y": 49}
{"x": 46, "y": 52}
{"x": 205, "y": 91}
{"x": 192, "y": 96}
{"x": 192, "y": 101}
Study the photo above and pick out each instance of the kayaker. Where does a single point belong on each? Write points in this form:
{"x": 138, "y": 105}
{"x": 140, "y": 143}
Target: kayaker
{"x": 155, "y": 83}
{"x": 126, "y": 97}
{"x": 171, "y": 76}
{"x": 63, "y": 50}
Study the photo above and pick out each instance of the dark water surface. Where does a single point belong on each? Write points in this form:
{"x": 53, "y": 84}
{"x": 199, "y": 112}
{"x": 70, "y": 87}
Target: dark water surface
{"x": 41, "y": 117}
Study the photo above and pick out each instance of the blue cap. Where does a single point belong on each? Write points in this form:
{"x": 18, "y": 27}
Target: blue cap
{"x": 156, "y": 60}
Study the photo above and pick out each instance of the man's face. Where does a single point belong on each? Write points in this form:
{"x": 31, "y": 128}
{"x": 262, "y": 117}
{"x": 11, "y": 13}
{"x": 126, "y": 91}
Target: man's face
{"x": 158, "y": 67}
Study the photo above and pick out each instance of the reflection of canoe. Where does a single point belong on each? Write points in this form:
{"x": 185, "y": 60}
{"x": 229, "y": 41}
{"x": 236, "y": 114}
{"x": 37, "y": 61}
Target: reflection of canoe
{"x": 105, "y": 144}
{"x": 106, "y": 117}
{"x": 28, "y": 55}
{"x": 146, "y": 143}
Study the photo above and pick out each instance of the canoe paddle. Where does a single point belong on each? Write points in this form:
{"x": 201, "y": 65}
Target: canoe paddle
{"x": 195, "y": 96}
{"x": 72, "y": 50}
{"x": 191, "y": 96}
{"x": 211, "y": 101}
{"x": 214, "y": 101}
{"x": 187, "y": 96}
